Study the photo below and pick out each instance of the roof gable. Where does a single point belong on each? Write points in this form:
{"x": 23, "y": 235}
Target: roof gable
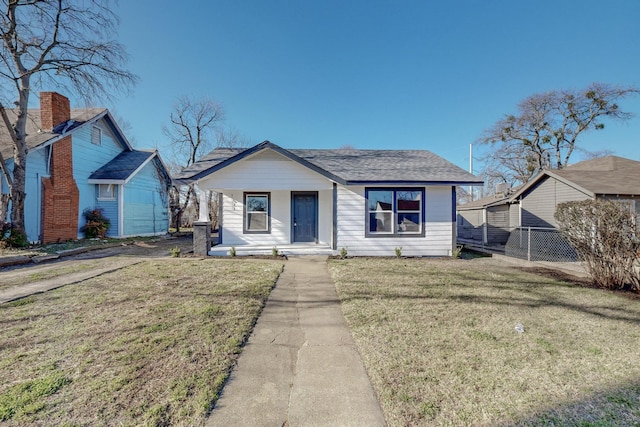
{"x": 37, "y": 138}
{"x": 124, "y": 166}
{"x": 346, "y": 166}
{"x": 610, "y": 175}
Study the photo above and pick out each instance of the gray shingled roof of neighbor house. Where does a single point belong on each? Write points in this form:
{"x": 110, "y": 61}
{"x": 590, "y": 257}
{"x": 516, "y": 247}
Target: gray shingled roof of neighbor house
{"x": 347, "y": 166}
{"x": 36, "y": 136}
{"x": 610, "y": 175}
{"x": 122, "y": 166}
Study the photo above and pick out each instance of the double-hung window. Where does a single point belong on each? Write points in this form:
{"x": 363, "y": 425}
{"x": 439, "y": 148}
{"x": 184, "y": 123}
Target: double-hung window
{"x": 106, "y": 192}
{"x": 257, "y": 213}
{"x": 395, "y": 211}
{"x": 96, "y": 135}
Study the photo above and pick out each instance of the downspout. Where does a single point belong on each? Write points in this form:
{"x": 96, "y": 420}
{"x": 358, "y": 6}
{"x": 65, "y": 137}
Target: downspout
{"x": 520, "y": 221}
{"x": 454, "y": 219}
{"x": 49, "y": 150}
{"x": 334, "y": 234}
{"x": 220, "y": 217}
{"x": 485, "y": 239}
{"x": 38, "y": 206}
{"x": 121, "y": 210}
{"x": 520, "y": 212}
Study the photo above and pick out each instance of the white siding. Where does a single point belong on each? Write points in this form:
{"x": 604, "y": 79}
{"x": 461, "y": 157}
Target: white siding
{"x": 232, "y": 225}
{"x": 438, "y": 239}
{"x": 233, "y": 211}
{"x": 266, "y": 171}
{"x": 325, "y": 216}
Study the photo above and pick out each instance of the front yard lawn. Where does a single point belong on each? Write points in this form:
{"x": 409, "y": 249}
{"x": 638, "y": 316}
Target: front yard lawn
{"x": 439, "y": 340}
{"x": 150, "y": 344}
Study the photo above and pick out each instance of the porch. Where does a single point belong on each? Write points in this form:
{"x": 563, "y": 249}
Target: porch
{"x": 266, "y": 250}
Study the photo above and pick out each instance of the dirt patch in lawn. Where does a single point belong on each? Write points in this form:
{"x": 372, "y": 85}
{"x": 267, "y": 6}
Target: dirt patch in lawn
{"x": 559, "y": 275}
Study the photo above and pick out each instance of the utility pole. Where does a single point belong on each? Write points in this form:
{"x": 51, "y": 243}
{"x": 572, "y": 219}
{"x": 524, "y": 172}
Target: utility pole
{"x": 471, "y": 170}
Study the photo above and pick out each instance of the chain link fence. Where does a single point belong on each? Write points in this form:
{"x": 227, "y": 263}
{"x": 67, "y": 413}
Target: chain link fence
{"x": 539, "y": 244}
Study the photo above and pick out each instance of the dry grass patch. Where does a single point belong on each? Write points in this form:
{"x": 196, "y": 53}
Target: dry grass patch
{"x": 150, "y": 344}
{"x": 45, "y": 272}
{"x": 439, "y": 341}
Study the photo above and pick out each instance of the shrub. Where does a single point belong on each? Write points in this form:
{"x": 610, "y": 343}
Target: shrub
{"x": 605, "y": 236}
{"x": 343, "y": 253}
{"x": 96, "y": 224}
{"x": 398, "y": 251}
{"x": 10, "y": 237}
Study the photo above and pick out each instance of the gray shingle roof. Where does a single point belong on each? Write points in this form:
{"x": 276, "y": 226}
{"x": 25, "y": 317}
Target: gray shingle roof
{"x": 610, "y": 175}
{"x": 605, "y": 176}
{"x": 122, "y": 166}
{"x": 348, "y": 166}
{"x": 484, "y": 202}
{"x": 37, "y": 137}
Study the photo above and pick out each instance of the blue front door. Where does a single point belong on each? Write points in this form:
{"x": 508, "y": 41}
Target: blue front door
{"x": 304, "y": 212}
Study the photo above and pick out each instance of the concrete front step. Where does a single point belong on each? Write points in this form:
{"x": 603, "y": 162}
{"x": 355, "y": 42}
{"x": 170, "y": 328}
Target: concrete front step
{"x": 264, "y": 250}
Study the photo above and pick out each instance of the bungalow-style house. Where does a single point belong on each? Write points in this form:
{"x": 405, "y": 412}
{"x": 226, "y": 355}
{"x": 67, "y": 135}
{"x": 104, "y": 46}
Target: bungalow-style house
{"x": 367, "y": 202}
{"x": 79, "y": 159}
{"x": 490, "y": 220}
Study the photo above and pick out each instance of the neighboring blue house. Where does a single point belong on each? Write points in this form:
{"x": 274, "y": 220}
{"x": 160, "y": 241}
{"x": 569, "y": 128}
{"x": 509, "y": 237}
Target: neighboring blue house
{"x": 80, "y": 159}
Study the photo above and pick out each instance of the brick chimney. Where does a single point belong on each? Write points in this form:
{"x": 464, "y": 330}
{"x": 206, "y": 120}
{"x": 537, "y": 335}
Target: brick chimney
{"x": 54, "y": 109}
{"x": 60, "y": 196}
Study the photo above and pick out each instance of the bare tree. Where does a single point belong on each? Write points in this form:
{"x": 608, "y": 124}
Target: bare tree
{"x": 192, "y": 132}
{"x": 67, "y": 44}
{"x": 547, "y": 127}
{"x": 508, "y": 163}
{"x": 231, "y": 138}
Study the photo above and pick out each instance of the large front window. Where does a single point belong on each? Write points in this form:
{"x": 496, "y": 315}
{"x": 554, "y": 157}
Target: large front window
{"x": 392, "y": 211}
{"x": 257, "y": 213}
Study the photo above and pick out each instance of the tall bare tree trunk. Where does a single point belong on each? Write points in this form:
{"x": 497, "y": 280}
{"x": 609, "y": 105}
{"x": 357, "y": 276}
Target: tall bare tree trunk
{"x": 4, "y": 207}
{"x": 18, "y": 187}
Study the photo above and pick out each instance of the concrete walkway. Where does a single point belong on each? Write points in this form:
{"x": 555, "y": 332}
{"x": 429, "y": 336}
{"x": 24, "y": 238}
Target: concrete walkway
{"x": 30, "y": 288}
{"x": 300, "y": 366}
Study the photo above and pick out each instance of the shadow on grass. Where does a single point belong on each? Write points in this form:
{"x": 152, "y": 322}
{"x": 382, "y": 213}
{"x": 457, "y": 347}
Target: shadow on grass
{"x": 616, "y": 406}
{"x": 602, "y": 311}
{"x": 476, "y": 288}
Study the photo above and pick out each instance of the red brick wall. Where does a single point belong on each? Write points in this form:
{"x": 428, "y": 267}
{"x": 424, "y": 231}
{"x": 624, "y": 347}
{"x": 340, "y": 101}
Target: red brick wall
{"x": 60, "y": 196}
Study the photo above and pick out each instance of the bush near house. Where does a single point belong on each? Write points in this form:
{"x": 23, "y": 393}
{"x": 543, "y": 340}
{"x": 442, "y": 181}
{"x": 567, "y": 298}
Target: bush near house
{"x": 10, "y": 237}
{"x": 97, "y": 224}
{"x": 605, "y": 235}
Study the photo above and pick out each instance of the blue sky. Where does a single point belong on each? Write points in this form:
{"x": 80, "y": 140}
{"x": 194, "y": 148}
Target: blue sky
{"x": 375, "y": 74}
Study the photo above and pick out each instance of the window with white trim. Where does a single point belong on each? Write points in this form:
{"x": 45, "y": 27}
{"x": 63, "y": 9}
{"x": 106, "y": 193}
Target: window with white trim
{"x": 96, "y": 135}
{"x": 395, "y": 212}
{"x": 257, "y": 212}
{"x": 106, "y": 192}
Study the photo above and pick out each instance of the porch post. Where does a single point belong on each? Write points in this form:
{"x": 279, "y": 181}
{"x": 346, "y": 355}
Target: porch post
{"x": 202, "y": 227}
{"x": 201, "y": 238}
{"x": 204, "y": 205}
